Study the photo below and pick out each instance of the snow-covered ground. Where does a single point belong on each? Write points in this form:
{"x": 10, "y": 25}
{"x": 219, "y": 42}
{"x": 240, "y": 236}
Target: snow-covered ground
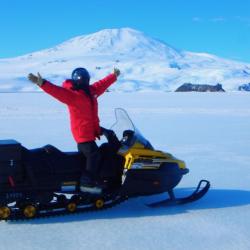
{"x": 210, "y": 131}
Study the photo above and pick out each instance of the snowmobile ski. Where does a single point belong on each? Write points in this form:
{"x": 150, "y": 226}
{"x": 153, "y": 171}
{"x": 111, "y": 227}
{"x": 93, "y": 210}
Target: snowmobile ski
{"x": 172, "y": 200}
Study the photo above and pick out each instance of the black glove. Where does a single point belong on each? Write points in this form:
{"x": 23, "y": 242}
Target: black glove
{"x": 107, "y": 132}
{"x": 117, "y": 72}
{"x": 38, "y": 80}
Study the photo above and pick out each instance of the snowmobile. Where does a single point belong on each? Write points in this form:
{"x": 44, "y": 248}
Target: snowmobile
{"x": 45, "y": 181}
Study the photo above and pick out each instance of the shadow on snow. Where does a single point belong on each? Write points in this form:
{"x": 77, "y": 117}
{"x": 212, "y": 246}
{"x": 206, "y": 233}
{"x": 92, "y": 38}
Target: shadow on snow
{"x": 136, "y": 207}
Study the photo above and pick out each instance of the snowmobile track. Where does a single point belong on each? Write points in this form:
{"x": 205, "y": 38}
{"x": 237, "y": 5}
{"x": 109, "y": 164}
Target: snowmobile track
{"x": 50, "y": 214}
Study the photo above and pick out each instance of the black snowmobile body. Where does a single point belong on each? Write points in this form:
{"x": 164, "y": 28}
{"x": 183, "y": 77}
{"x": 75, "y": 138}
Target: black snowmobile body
{"x": 45, "y": 181}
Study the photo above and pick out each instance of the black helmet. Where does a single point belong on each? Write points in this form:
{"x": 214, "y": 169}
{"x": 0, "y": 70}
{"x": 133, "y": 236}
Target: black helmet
{"x": 80, "y": 77}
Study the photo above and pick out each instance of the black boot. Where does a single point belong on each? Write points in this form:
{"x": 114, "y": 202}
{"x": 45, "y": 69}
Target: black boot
{"x": 88, "y": 185}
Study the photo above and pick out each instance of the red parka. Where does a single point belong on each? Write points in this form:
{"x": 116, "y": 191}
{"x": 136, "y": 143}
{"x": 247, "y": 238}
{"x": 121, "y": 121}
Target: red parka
{"x": 84, "y": 119}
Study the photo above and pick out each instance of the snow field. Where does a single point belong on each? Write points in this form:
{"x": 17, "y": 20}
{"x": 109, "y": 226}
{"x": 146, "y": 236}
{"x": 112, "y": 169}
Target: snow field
{"x": 209, "y": 131}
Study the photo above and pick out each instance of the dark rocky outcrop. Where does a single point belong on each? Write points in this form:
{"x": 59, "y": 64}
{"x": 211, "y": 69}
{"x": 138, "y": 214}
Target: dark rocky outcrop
{"x": 244, "y": 87}
{"x": 187, "y": 87}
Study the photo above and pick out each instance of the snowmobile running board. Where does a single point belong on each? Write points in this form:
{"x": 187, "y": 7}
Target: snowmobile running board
{"x": 172, "y": 201}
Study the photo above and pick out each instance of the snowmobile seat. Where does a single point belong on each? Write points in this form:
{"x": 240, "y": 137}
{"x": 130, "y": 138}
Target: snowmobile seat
{"x": 42, "y": 164}
{"x": 47, "y": 152}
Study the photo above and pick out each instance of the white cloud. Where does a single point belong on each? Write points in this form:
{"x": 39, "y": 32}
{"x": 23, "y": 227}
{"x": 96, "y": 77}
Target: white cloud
{"x": 241, "y": 19}
{"x": 213, "y": 19}
{"x": 217, "y": 19}
{"x": 196, "y": 19}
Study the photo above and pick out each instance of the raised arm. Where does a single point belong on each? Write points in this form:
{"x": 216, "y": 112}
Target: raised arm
{"x": 63, "y": 95}
{"x": 101, "y": 85}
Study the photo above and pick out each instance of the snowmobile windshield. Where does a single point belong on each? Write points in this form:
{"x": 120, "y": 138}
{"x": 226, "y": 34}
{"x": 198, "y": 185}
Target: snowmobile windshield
{"x": 126, "y": 131}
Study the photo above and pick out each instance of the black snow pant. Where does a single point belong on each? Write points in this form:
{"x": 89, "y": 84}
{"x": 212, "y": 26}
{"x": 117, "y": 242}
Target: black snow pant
{"x": 91, "y": 151}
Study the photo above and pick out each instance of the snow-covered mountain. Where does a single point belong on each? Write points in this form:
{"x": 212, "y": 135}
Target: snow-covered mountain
{"x": 146, "y": 63}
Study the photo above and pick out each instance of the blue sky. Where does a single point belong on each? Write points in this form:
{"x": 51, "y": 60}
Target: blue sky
{"x": 219, "y": 27}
